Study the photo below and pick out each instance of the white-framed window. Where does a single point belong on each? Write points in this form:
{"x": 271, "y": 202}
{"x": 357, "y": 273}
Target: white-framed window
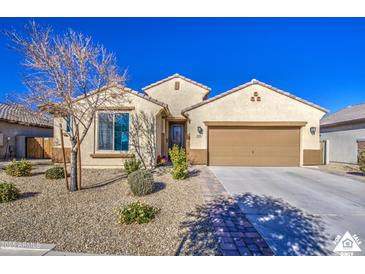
{"x": 113, "y": 131}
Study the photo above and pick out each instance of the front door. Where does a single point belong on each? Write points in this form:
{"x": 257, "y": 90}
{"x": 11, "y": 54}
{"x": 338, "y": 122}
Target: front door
{"x": 177, "y": 135}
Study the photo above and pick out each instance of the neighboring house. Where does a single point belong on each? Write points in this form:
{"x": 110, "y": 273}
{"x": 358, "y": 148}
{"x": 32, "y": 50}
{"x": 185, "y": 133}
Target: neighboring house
{"x": 251, "y": 125}
{"x": 344, "y": 134}
{"x": 16, "y": 124}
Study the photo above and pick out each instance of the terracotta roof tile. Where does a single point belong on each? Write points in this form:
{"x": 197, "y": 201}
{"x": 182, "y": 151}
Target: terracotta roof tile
{"x": 16, "y": 114}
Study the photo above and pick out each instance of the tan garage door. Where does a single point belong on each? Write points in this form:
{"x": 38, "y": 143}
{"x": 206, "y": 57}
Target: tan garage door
{"x": 254, "y": 146}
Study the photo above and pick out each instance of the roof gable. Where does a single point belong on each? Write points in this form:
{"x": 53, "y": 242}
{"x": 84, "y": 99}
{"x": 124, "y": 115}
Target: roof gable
{"x": 253, "y": 82}
{"x": 176, "y": 75}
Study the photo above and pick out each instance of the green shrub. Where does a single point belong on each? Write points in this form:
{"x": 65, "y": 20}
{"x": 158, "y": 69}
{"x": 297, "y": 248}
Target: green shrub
{"x": 179, "y": 163}
{"x": 56, "y": 172}
{"x": 8, "y": 192}
{"x": 132, "y": 165}
{"x": 361, "y": 161}
{"x": 19, "y": 168}
{"x": 141, "y": 182}
{"x": 136, "y": 212}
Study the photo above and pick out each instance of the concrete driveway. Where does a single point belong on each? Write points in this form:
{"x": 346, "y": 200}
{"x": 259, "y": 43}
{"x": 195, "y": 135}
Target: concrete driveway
{"x": 299, "y": 211}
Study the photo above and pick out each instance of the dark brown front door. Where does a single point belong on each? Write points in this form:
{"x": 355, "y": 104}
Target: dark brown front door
{"x": 177, "y": 135}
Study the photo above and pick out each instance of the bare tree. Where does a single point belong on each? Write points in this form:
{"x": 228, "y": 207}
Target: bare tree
{"x": 143, "y": 137}
{"x": 67, "y": 75}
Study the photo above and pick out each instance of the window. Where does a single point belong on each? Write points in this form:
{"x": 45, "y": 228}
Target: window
{"x": 68, "y": 123}
{"x": 113, "y": 131}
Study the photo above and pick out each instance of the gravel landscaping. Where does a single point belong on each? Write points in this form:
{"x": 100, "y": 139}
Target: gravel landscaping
{"x": 349, "y": 170}
{"x": 86, "y": 221}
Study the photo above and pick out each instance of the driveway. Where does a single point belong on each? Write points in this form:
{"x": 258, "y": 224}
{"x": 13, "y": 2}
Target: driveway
{"x": 299, "y": 211}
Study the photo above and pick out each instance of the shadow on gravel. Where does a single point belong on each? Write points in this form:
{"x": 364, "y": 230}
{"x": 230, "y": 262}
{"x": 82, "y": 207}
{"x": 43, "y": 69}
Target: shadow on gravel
{"x": 106, "y": 182}
{"x": 356, "y": 173}
{"x": 198, "y": 237}
{"x": 158, "y": 186}
{"x": 36, "y": 173}
{"x": 26, "y": 195}
{"x": 287, "y": 229}
{"x": 194, "y": 172}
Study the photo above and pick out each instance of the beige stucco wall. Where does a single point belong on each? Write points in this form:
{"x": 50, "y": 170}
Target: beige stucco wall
{"x": 188, "y": 94}
{"x": 239, "y": 107}
{"x": 89, "y": 144}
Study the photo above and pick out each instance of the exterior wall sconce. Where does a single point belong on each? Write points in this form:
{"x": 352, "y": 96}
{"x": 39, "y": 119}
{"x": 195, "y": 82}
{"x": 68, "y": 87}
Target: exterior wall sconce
{"x": 200, "y": 129}
{"x": 313, "y": 130}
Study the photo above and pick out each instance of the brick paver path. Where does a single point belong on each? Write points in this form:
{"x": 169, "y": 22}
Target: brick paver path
{"x": 235, "y": 234}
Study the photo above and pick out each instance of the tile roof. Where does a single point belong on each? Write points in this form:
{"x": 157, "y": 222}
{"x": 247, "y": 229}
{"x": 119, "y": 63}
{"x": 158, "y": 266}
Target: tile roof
{"x": 253, "y": 82}
{"x": 23, "y": 116}
{"x": 125, "y": 89}
{"x": 176, "y": 75}
{"x": 348, "y": 114}
{"x": 144, "y": 96}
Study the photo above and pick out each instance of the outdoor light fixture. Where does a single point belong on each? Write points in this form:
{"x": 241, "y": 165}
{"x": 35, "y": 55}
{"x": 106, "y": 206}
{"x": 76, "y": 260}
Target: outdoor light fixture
{"x": 200, "y": 130}
{"x": 313, "y": 130}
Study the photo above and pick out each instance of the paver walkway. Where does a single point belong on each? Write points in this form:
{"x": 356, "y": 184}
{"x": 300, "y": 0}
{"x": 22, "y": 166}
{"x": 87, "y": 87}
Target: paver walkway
{"x": 235, "y": 234}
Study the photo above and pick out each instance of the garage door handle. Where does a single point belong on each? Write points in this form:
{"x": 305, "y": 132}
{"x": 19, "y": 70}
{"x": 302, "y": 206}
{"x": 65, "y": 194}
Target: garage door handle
{"x": 253, "y": 152}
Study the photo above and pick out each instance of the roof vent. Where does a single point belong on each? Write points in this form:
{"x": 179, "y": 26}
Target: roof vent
{"x": 177, "y": 85}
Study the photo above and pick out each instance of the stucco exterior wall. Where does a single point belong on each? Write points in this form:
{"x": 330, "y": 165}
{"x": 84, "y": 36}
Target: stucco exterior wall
{"x": 188, "y": 94}
{"x": 12, "y": 130}
{"x": 238, "y": 106}
{"x": 89, "y": 144}
{"x": 342, "y": 142}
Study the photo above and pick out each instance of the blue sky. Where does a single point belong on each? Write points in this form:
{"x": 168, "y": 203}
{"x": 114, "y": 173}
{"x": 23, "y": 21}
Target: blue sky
{"x": 321, "y": 60}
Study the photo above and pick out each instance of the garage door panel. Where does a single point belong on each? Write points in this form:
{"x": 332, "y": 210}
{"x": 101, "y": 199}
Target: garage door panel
{"x": 254, "y": 146}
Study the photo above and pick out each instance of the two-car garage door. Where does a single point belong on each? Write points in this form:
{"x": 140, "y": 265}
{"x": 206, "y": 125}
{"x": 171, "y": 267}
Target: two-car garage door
{"x": 254, "y": 146}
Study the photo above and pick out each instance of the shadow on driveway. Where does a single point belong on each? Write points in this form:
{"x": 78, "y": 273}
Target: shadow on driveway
{"x": 287, "y": 229}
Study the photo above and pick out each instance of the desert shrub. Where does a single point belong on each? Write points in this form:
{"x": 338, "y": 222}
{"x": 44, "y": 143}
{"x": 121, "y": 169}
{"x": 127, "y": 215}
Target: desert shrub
{"x": 179, "y": 162}
{"x": 362, "y": 161}
{"x": 141, "y": 182}
{"x": 136, "y": 212}
{"x": 56, "y": 172}
{"x": 19, "y": 168}
{"x": 132, "y": 165}
{"x": 8, "y": 192}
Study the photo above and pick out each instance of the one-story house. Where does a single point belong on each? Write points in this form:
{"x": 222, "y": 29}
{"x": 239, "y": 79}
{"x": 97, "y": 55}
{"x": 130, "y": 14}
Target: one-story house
{"x": 253, "y": 124}
{"x": 18, "y": 123}
{"x": 344, "y": 134}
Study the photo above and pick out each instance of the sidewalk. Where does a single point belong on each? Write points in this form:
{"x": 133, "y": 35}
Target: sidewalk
{"x": 33, "y": 249}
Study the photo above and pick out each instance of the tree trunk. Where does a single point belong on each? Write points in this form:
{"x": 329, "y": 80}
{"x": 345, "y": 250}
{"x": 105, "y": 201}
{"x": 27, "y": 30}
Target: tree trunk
{"x": 73, "y": 171}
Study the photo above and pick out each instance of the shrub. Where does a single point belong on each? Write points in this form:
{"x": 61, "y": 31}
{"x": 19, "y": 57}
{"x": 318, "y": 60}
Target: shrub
{"x": 8, "y": 192}
{"x": 141, "y": 182}
{"x": 361, "y": 161}
{"x": 132, "y": 165}
{"x": 179, "y": 162}
{"x": 56, "y": 172}
{"x": 136, "y": 212}
{"x": 19, "y": 168}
